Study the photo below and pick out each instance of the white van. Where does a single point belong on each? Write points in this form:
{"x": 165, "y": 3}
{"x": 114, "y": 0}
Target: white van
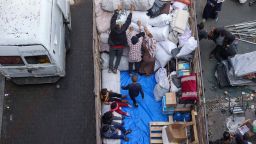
{"x": 34, "y": 37}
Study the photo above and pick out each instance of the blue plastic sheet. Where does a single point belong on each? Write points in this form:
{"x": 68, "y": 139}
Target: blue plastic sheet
{"x": 149, "y": 110}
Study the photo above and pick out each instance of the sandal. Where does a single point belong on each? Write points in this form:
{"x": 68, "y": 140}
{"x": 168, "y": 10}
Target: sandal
{"x": 114, "y": 70}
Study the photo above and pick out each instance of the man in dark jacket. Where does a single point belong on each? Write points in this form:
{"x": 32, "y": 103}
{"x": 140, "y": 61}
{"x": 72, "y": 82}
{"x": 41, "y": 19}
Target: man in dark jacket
{"x": 224, "y": 41}
{"x": 117, "y": 38}
{"x": 111, "y": 132}
{"x": 134, "y": 90}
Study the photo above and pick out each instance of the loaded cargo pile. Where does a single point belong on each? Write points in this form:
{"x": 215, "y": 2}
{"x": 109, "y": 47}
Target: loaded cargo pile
{"x": 173, "y": 106}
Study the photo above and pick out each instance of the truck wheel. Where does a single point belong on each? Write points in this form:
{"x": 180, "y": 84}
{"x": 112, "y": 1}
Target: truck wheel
{"x": 67, "y": 39}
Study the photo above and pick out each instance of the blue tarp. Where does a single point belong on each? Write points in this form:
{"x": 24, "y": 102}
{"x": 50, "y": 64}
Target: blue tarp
{"x": 149, "y": 110}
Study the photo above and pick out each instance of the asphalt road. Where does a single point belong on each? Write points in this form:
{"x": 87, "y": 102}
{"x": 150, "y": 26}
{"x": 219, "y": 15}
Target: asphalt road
{"x": 45, "y": 114}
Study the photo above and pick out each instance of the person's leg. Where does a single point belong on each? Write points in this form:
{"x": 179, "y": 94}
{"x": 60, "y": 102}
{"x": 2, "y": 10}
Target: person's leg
{"x": 121, "y": 104}
{"x": 130, "y": 67}
{"x": 111, "y": 58}
{"x": 137, "y": 67}
{"x": 218, "y": 53}
{"x": 115, "y": 123}
{"x": 119, "y": 53}
{"x": 134, "y": 101}
{"x": 116, "y": 136}
{"x": 213, "y": 52}
{"x": 117, "y": 118}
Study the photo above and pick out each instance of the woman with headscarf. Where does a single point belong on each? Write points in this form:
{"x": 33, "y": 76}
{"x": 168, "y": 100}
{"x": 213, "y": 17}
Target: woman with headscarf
{"x": 211, "y": 9}
{"x": 148, "y": 58}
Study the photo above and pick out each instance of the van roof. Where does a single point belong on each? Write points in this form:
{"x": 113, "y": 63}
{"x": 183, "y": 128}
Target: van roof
{"x": 21, "y": 21}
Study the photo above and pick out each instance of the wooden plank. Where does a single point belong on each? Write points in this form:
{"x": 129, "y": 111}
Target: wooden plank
{"x": 193, "y": 113}
{"x": 170, "y": 119}
{"x": 159, "y": 123}
{"x": 156, "y": 128}
{"x": 156, "y": 135}
{"x": 185, "y": 109}
{"x": 156, "y": 141}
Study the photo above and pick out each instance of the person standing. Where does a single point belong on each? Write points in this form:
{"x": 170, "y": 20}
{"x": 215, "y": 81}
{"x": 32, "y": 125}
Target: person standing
{"x": 135, "y": 42}
{"x": 134, "y": 89}
{"x": 148, "y": 57}
{"x": 117, "y": 38}
{"x": 211, "y": 9}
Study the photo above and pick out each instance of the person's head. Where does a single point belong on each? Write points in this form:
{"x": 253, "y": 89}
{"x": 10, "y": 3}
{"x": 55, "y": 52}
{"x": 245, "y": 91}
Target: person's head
{"x": 201, "y": 26}
{"x": 118, "y": 26}
{"x": 134, "y": 78}
{"x": 107, "y": 116}
{"x": 226, "y": 136}
{"x": 113, "y": 105}
{"x": 104, "y": 91}
{"x": 135, "y": 38}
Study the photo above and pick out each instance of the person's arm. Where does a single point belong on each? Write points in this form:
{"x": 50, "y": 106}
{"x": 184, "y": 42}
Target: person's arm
{"x": 141, "y": 91}
{"x": 128, "y": 20}
{"x": 125, "y": 87}
{"x": 121, "y": 112}
{"x": 113, "y": 20}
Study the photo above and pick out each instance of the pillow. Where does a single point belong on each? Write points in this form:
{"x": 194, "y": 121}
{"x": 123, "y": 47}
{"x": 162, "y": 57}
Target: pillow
{"x": 189, "y": 88}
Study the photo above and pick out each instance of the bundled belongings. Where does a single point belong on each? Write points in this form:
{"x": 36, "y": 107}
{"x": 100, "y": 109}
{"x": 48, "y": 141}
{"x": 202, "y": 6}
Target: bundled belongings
{"x": 183, "y": 68}
{"x": 180, "y": 20}
{"x": 162, "y": 86}
{"x": 156, "y": 9}
{"x": 189, "y": 88}
{"x": 244, "y": 64}
{"x": 169, "y": 103}
{"x": 140, "y": 5}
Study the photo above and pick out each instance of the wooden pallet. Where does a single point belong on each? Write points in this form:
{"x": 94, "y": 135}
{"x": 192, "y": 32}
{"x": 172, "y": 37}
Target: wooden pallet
{"x": 156, "y": 132}
{"x": 156, "y": 129}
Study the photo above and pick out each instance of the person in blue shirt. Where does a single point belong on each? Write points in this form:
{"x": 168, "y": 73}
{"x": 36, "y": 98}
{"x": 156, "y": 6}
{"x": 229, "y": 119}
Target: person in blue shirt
{"x": 134, "y": 90}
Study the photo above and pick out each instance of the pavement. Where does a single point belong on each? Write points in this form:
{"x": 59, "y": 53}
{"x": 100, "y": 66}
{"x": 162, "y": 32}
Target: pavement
{"x": 64, "y": 112}
{"x": 232, "y": 13}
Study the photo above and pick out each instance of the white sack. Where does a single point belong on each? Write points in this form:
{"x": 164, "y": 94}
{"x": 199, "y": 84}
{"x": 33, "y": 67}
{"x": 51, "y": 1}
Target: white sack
{"x": 104, "y": 37}
{"x": 160, "y": 21}
{"x": 157, "y": 65}
{"x": 123, "y": 66}
{"x": 160, "y": 73}
{"x": 140, "y": 5}
{"x": 122, "y": 17}
{"x": 162, "y": 57}
{"x": 103, "y": 22}
{"x": 179, "y": 5}
{"x": 184, "y": 37}
{"x": 173, "y": 37}
{"x": 168, "y": 46}
{"x": 159, "y": 33}
{"x": 188, "y": 47}
{"x": 159, "y": 92}
{"x": 111, "y": 81}
{"x": 242, "y": 1}
{"x": 244, "y": 64}
{"x": 173, "y": 86}
{"x": 180, "y": 20}
{"x": 142, "y": 16}
{"x": 104, "y": 47}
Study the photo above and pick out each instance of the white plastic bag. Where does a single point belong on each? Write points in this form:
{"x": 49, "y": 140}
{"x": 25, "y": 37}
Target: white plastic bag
{"x": 242, "y": 1}
{"x": 142, "y": 16}
{"x": 104, "y": 37}
{"x": 168, "y": 46}
{"x": 103, "y": 22}
{"x": 160, "y": 21}
{"x": 173, "y": 37}
{"x": 184, "y": 37}
{"x": 173, "y": 86}
{"x": 123, "y": 66}
{"x": 188, "y": 47}
{"x": 111, "y": 81}
{"x": 157, "y": 65}
{"x": 179, "y": 5}
{"x": 160, "y": 73}
{"x": 140, "y": 5}
{"x": 162, "y": 56}
{"x": 159, "y": 33}
{"x": 159, "y": 92}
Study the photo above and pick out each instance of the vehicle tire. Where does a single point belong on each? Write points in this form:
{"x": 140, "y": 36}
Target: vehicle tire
{"x": 67, "y": 39}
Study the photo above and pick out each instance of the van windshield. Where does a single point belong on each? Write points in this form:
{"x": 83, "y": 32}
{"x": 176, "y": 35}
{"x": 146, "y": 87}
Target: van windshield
{"x": 39, "y": 59}
{"x": 11, "y": 61}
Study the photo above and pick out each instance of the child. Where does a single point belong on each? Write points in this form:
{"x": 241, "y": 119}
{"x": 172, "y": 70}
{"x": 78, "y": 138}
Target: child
{"x": 108, "y": 118}
{"x": 134, "y": 41}
{"x": 108, "y": 96}
{"x": 116, "y": 106}
{"x": 134, "y": 89}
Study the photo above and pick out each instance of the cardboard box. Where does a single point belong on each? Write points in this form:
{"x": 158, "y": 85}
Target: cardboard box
{"x": 171, "y": 99}
{"x": 165, "y": 109}
{"x": 176, "y": 132}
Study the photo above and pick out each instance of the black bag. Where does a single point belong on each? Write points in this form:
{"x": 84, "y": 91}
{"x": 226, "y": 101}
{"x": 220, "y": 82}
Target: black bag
{"x": 156, "y": 9}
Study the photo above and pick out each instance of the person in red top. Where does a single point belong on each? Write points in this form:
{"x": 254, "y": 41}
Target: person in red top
{"x": 116, "y": 106}
{"x": 117, "y": 38}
